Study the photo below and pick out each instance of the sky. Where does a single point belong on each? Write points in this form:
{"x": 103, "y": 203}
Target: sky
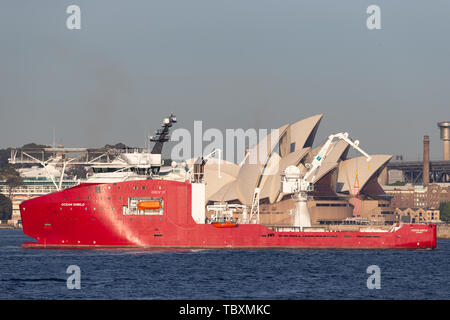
{"x": 232, "y": 64}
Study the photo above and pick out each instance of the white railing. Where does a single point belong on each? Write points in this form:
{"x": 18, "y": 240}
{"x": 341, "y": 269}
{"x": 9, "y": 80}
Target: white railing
{"x": 31, "y": 189}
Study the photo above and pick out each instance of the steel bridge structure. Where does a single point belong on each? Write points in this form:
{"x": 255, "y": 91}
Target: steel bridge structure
{"x": 413, "y": 171}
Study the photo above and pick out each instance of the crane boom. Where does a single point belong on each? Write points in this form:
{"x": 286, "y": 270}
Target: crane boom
{"x": 202, "y": 161}
{"x": 324, "y": 151}
{"x": 292, "y": 182}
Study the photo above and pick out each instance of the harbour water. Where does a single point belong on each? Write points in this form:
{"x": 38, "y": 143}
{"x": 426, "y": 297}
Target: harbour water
{"x": 221, "y": 274}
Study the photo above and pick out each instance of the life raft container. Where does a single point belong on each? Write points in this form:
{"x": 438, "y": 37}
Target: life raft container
{"x": 149, "y": 205}
{"x": 224, "y": 224}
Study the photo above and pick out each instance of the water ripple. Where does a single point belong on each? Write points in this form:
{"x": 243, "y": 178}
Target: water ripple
{"x": 221, "y": 274}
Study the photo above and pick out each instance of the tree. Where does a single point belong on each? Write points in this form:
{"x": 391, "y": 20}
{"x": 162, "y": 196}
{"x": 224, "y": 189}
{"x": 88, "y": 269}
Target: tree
{"x": 444, "y": 209}
{"x": 116, "y": 146}
{"x": 5, "y": 208}
{"x": 33, "y": 145}
{"x": 12, "y": 178}
{"x": 36, "y": 150}
{"x": 4, "y": 156}
{"x": 6, "y": 153}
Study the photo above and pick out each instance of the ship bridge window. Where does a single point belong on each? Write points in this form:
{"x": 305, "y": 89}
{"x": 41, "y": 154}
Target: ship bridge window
{"x": 144, "y": 206}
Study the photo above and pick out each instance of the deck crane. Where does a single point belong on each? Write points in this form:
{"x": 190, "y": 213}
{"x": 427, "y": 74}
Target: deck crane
{"x": 293, "y": 182}
{"x": 198, "y": 170}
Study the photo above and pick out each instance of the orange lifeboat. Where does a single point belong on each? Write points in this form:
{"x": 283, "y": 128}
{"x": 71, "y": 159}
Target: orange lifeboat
{"x": 224, "y": 224}
{"x": 149, "y": 205}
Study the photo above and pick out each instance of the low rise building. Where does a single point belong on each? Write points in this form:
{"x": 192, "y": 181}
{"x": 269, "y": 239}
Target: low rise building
{"x": 418, "y": 215}
{"x": 409, "y": 196}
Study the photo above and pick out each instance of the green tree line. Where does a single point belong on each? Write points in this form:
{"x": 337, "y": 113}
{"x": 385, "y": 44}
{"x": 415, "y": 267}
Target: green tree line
{"x": 444, "y": 209}
{"x": 5, "y": 208}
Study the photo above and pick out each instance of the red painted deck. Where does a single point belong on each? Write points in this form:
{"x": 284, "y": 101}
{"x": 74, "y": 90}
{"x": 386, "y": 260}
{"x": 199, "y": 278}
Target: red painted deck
{"x": 91, "y": 216}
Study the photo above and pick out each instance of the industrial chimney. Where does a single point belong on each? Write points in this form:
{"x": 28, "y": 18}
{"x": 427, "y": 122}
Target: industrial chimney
{"x": 426, "y": 161}
{"x": 445, "y": 137}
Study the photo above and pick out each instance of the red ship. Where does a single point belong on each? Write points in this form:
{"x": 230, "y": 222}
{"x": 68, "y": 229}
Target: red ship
{"x": 101, "y": 216}
{"x": 144, "y": 207}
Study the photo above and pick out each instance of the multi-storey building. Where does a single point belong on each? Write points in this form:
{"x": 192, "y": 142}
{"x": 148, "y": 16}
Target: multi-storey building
{"x": 410, "y": 196}
{"x": 418, "y": 215}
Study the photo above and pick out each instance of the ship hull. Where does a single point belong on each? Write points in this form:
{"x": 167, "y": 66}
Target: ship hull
{"x": 98, "y": 216}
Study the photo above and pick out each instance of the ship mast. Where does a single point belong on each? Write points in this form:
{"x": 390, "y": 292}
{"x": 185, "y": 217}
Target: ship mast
{"x": 162, "y": 135}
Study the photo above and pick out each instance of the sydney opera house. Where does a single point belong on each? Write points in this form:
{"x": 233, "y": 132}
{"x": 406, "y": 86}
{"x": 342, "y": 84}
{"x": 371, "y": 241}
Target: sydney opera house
{"x": 346, "y": 190}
